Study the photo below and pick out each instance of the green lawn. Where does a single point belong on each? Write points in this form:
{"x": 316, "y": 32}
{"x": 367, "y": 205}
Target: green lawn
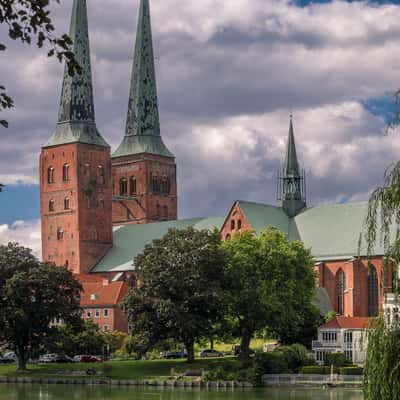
{"x": 134, "y": 370}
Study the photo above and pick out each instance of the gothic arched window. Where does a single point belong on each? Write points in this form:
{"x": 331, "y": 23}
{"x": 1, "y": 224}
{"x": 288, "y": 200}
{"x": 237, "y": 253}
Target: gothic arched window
{"x": 51, "y": 205}
{"x": 67, "y": 204}
{"x": 50, "y": 175}
{"x": 66, "y": 172}
{"x": 101, "y": 179}
{"x": 232, "y": 224}
{"x": 165, "y": 212}
{"x": 158, "y": 211}
{"x": 340, "y": 288}
{"x": 133, "y": 186}
{"x": 123, "y": 187}
{"x": 373, "y": 292}
{"x": 240, "y": 224}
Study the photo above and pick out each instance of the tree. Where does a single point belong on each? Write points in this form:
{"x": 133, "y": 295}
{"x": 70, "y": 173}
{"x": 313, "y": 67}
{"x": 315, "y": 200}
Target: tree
{"x": 83, "y": 337}
{"x": 180, "y": 292}
{"x": 29, "y": 20}
{"x": 269, "y": 283}
{"x": 32, "y": 296}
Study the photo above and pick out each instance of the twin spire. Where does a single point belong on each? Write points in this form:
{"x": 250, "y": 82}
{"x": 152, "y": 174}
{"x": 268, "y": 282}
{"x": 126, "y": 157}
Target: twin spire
{"x": 76, "y": 117}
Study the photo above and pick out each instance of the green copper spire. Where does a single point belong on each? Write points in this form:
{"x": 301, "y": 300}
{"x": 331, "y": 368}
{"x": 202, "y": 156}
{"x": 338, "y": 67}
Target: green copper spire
{"x": 291, "y": 165}
{"x": 76, "y": 118}
{"x": 291, "y": 183}
{"x": 142, "y": 133}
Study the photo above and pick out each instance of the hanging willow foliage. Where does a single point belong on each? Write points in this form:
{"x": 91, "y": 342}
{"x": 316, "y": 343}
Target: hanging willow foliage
{"x": 382, "y": 369}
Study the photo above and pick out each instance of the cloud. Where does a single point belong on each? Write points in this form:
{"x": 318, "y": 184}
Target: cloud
{"x": 229, "y": 74}
{"x": 23, "y": 232}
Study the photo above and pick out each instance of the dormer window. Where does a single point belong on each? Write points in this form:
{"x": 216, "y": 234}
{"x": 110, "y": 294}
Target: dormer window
{"x": 50, "y": 175}
{"x": 66, "y": 172}
{"x": 93, "y": 296}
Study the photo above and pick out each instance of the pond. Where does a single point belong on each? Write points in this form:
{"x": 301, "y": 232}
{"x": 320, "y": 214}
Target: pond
{"x": 13, "y": 392}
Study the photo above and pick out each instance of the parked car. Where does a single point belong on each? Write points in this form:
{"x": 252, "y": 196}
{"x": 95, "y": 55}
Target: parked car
{"x": 10, "y": 355}
{"x": 86, "y": 359}
{"x": 210, "y": 353}
{"x": 5, "y": 360}
{"x": 174, "y": 354}
{"x": 54, "y": 358}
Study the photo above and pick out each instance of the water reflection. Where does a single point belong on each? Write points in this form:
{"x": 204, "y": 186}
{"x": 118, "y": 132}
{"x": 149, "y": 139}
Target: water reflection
{"x": 12, "y": 392}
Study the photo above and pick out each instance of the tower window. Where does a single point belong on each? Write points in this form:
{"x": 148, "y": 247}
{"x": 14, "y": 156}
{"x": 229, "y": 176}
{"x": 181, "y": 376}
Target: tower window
{"x": 340, "y": 288}
{"x": 86, "y": 170}
{"x": 50, "y": 175}
{"x": 133, "y": 185}
{"x": 101, "y": 203}
{"x": 155, "y": 184}
{"x": 67, "y": 205}
{"x": 51, "y": 205}
{"x": 123, "y": 187}
{"x": 232, "y": 224}
{"x": 101, "y": 179}
{"x": 66, "y": 172}
{"x": 60, "y": 234}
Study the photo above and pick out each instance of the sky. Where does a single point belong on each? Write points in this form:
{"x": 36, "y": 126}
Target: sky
{"x": 229, "y": 74}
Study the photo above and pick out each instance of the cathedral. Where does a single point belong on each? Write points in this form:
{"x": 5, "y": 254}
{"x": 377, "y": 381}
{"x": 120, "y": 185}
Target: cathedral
{"x": 99, "y": 208}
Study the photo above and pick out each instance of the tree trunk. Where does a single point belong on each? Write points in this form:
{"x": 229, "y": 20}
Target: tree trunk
{"x": 245, "y": 344}
{"x": 212, "y": 342}
{"x": 190, "y": 351}
{"x": 21, "y": 357}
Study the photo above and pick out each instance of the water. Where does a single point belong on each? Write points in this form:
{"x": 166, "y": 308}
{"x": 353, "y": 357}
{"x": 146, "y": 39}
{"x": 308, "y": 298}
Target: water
{"x": 12, "y": 392}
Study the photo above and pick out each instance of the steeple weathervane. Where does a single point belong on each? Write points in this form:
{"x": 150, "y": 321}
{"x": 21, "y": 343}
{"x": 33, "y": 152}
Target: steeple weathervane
{"x": 76, "y": 117}
{"x": 291, "y": 181}
{"x": 142, "y": 132}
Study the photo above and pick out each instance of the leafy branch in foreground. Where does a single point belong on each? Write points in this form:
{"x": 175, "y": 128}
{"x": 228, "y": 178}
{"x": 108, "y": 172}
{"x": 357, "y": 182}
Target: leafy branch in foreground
{"x": 27, "y": 21}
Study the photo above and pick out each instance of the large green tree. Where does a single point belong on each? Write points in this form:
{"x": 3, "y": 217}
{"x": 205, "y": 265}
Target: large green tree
{"x": 32, "y": 296}
{"x": 179, "y": 295}
{"x": 27, "y": 21}
{"x": 269, "y": 284}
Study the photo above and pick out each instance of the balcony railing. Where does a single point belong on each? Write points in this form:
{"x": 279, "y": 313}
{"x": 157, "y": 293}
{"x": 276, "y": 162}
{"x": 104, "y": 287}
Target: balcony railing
{"x": 318, "y": 344}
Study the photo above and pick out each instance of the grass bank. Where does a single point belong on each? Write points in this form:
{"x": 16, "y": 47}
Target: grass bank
{"x": 129, "y": 370}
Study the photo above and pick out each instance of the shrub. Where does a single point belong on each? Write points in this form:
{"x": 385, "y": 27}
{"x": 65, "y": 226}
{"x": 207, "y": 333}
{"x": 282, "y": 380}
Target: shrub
{"x": 354, "y": 370}
{"x": 271, "y": 363}
{"x": 296, "y": 356}
{"x": 318, "y": 370}
{"x": 336, "y": 359}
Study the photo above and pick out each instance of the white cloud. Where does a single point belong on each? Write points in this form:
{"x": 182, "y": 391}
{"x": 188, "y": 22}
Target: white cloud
{"x": 26, "y": 233}
{"x": 229, "y": 72}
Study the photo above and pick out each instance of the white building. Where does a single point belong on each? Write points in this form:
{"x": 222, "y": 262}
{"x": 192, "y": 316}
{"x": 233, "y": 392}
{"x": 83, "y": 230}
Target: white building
{"x": 346, "y": 335}
{"x": 391, "y": 309}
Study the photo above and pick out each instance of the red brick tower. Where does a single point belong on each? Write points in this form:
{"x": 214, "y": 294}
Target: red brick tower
{"x": 75, "y": 170}
{"x": 143, "y": 169}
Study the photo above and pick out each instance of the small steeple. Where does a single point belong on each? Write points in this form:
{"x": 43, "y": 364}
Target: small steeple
{"x": 76, "y": 117}
{"x": 291, "y": 165}
{"x": 142, "y": 132}
{"x": 291, "y": 181}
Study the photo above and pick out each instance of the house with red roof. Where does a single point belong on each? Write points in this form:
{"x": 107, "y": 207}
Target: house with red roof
{"x": 346, "y": 335}
{"x": 100, "y": 300}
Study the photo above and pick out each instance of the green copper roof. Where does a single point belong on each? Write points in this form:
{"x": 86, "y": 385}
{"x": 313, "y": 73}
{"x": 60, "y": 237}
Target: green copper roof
{"x": 130, "y": 240}
{"x": 331, "y": 232}
{"x": 76, "y": 117}
{"x": 260, "y": 216}
{"x": 142, "y": 133}
{"x": 291, "y": 164}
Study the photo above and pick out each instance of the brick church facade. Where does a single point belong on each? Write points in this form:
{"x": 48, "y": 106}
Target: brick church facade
{"x": 99, "y": 209}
